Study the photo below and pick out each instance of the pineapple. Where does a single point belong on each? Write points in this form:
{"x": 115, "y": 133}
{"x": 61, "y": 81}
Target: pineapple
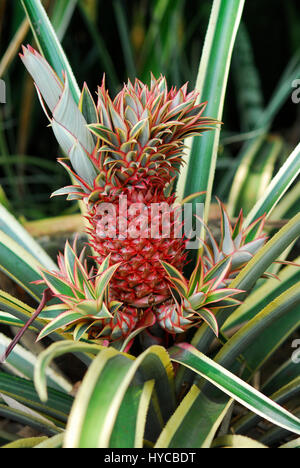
{"x": 124, "y": 156}
{"x": 139, "y": 149}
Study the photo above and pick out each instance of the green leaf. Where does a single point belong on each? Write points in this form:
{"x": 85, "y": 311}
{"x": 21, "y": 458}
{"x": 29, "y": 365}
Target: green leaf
{"x": 234, "y": 387}
{"x": 220, "y": 295}
{"x": 274, "y": 436}
{"x": 53, "y": 311}
{"x": 173, "y": 272}
{"x": 210, "y": 319}
{"x": 69, "y": 260}
{"x": 277, "y": 188}
{"x": 249, "y": 94}
{"x": 61, "y": 16}
{"x": 219, "y": 270}
{"x": 263, "y": 124}
{"x": 274, "y": 336}
{"x": 211, "y": 84}
{"x": 197, "y": 300}
{"x": 94, "y": 413}
{"x": 87, "y": 106}
{"x": 131, "y": 420}
{"x": 103, "y": 280}
{"x": 245, "y": 280}
{"x": 81, "y": 329}
{"x": 289, "y": 391}
{"x": 46, "y": 80}
{"x": 262, "y": 296}
{"x": 236, "y": 441}
{"x": 8, "y": 319}
{"x": 48, "y": 42}
{"x": 20, "y": 266}
{"x": 267, "y": 254}
{"x": 138, "y": 128}
{"x": 253, "y": 175}
{"x": 201, "y": 424}
{"x": 22, "y": 363}
{"x": 285, "y": 374}
{"x": 52, "y": 442}
{"x": 53, "y": 351}
{"x": 262, "y": 335}
{"x": 58, "y": 405}
{"x": 42, "y": 425}
{"x": 66, "y": 318}
{"x": 67, "y": 114}
{"x": 289, "y": 203}
{"x": 13, "y": 229}
{"x": 28, "y": 442}
{"x": 59, "y": 286}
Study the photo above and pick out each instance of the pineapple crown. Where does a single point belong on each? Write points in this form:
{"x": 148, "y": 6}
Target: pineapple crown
{"x": 141, "y": 132}
{"x": 118, "y": 142}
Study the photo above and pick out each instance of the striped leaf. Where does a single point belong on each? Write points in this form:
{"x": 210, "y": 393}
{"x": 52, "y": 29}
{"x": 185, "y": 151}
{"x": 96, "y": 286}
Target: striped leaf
{"x": 211, "y": 84}
{"x": 48, "y": 42}
{"x": 234, "y": 387}
{"x": 104, "y": 387}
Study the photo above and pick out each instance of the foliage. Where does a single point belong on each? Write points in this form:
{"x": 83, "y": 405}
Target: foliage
{"x": 183, "y": 394}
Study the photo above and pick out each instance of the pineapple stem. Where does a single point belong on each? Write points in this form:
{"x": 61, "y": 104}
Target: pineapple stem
{"x": 47, "y": 295}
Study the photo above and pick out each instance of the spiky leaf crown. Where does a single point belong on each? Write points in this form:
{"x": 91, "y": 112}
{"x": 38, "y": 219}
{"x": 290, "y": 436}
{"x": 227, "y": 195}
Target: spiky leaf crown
{"x": 141, "y": 132}
{"x": 118, "y": 142}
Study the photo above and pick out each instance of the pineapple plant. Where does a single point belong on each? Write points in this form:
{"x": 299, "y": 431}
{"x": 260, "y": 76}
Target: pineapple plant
{"x": 155, "y": 387}
{"x": 123, "y": 156}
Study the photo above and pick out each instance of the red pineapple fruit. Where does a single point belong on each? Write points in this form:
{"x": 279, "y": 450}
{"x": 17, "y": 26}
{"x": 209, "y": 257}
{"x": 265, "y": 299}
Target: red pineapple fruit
{"x": 141, "y": 137}
{"x": 125, "y": 155}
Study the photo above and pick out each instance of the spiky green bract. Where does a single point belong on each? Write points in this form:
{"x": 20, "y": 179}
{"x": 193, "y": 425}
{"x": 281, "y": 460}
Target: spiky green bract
{"x": 84, "y": 304}
{"x": 236, "y": 243}
{"x": 218, "y": 264}
{"x": 196, "y": 300}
